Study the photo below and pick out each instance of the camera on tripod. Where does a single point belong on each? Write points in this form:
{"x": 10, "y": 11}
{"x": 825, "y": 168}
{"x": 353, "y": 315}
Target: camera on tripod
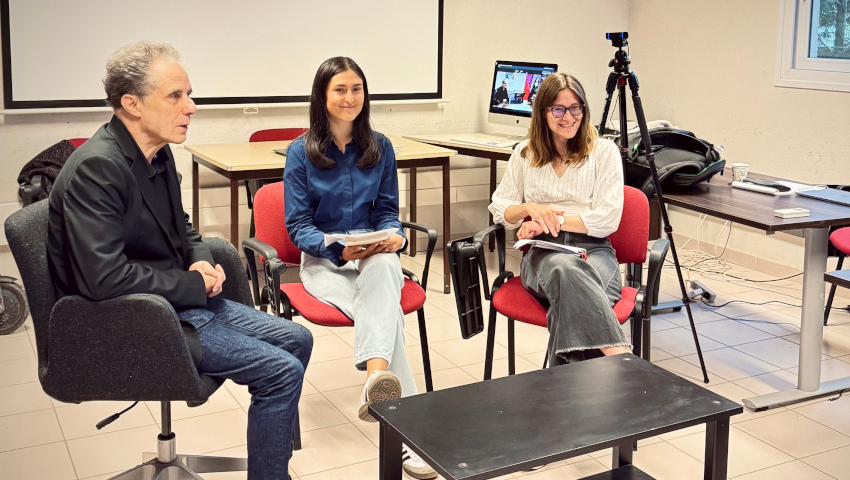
{"x": 618, "y": 39}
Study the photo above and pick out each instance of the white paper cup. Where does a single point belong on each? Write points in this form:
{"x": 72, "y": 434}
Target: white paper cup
{"x": 739, "y": 171}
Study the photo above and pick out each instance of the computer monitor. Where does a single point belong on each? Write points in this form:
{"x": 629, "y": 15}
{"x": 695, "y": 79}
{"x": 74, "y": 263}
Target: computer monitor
{"x": 514, "y": 87}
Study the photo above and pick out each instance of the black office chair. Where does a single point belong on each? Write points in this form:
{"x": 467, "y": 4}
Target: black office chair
{"x": 130, "y": 348}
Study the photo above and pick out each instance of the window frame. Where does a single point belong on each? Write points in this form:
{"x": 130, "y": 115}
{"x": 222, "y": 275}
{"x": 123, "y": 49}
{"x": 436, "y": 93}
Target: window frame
{"x": 794, "y": 68}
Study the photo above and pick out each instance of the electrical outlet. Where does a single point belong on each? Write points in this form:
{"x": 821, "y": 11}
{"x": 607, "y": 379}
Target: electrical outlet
{"x": 707, "y": 294}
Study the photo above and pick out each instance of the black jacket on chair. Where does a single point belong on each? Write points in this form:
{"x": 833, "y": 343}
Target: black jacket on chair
{"x": 105, "y": 235}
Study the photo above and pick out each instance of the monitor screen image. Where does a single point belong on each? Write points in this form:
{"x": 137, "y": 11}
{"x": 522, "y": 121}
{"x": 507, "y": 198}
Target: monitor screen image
{"x": 514, "y": 88}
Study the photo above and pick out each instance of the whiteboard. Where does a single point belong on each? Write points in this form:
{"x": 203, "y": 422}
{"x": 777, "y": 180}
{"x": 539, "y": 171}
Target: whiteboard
{"x": 250, "y": 51}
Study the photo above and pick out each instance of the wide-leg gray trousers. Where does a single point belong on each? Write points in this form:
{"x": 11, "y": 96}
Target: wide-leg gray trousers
{"x": 580, "y": 295}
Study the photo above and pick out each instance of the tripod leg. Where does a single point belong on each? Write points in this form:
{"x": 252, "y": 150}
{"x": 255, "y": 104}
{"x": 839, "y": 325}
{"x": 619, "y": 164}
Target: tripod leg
{"x": 609, "y": 92}
{"x": 668, "y": 229}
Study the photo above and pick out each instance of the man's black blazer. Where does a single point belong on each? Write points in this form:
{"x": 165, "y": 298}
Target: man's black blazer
{"x": 104, "y": 237}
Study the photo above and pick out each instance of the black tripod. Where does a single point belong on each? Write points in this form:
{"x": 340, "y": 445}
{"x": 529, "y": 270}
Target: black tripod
{"x": 619, "y": 77}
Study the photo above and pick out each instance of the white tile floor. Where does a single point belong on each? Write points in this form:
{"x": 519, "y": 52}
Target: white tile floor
{"x": 43, "y": 439}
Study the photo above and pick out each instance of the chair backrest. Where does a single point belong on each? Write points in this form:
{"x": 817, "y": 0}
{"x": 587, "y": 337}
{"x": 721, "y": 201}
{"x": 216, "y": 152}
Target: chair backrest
{"x": 277, "y": 134}
{"x": 76, "y": 142}
{"x": 631, "y": 238}
{"x": 26, "y": 231}
{"x": 270, "y": 223}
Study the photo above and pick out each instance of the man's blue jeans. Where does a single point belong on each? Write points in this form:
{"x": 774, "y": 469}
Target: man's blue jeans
{"x": 269, "y": 355}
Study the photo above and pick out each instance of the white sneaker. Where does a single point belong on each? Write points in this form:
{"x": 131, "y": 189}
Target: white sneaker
{"x": 414, "y": 466}
{"x": 380, "y": 387}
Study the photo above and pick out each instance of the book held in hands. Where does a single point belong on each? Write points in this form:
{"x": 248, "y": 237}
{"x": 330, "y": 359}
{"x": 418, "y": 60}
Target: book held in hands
{"x": 359, "y": 237}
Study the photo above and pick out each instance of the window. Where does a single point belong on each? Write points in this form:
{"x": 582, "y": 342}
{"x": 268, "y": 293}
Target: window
{"x": 814, "y": 45}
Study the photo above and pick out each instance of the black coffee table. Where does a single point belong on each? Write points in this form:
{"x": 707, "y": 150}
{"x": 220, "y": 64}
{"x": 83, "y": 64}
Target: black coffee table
{"x": 514, "y": 423}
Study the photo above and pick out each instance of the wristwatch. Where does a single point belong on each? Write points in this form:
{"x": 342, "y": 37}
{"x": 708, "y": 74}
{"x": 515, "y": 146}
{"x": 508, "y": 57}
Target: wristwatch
{"x": 561, "y": 219}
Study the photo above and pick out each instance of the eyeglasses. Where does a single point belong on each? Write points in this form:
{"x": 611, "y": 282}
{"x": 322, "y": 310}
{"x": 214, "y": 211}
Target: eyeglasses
{"x": 575, "y": 110}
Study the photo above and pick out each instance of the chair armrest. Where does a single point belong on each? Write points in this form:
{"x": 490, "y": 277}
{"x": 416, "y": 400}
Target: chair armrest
{"x": 478, "y": 240}
{"x": 135, "y": 338}
{"x": 432, "y": 242}
{"x": 253, "y": 247}
{"x": 273, "y": 268}
{"x": 500, "y": 280}
{"x": 657, "y": 254}
{"x": 236, "y": 287}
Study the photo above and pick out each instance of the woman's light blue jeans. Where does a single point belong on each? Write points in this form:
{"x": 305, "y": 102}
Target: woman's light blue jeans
{"x": 269, "y": 355}
{"x": 368, "y": 291}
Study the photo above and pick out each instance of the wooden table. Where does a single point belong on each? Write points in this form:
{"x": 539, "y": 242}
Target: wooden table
{"x": 718, "y": 199}
{"x": 492, "y": 428}
{"x": 494, "y": 154}
{"x": 257, "y": 160}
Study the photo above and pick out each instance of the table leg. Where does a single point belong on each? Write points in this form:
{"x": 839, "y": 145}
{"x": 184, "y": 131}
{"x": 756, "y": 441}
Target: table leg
{"x": 411, "y": 251}
{"x": 390, "y": 454}
{"x": 622, "y": 454}
{"x": 447, "y": 227}
{"x": 811, "y": 331}
{"x": 716, "y": 449}
{"x": 811, "y": 327}
{"x": 234, "y": 212}
{"x": 490, "y": 198}
{"x": 195, "y": 195}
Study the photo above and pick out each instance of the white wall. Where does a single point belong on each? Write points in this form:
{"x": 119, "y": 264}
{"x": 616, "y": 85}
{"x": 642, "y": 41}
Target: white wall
{"x": 476, "y": 33}
{"x": 709, "y": 67}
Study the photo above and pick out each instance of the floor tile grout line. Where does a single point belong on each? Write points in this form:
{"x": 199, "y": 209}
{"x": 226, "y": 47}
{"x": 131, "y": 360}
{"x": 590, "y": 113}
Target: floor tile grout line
{"x": 65, "y": 441}
{"x": 803, "y": 459}
{"x": 825, "y": 399}
{"x": 156, "y": 423}
{"x": 742, "y": 431}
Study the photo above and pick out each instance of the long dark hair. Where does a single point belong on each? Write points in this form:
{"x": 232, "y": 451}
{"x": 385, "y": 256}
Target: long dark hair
{"x": 319, "y": 137}
{"x": 540, "y": 142}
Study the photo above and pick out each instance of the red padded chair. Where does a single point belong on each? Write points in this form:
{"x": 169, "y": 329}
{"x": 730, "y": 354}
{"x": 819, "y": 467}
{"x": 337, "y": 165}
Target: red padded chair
{"x": 277, "y": 252}
{"x": 76, "y": 142}
{"x": 268, "y": 135}
{"x": 277, "y": 134}
{"x": 512, "y": 300}
{"x": 840, "y": 239}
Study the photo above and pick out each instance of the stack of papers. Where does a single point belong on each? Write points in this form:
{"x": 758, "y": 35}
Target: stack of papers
{"x": 791, "y": 212}
{"x": 579, "y": 252}
{"x": 359, "y": 237}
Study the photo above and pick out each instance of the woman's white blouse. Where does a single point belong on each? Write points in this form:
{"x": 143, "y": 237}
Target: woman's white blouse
{"x": 593, "y": 191}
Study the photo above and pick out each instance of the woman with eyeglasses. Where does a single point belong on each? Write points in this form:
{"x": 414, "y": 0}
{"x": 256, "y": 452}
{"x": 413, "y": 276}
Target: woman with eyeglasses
{"x": 565, "y": 185}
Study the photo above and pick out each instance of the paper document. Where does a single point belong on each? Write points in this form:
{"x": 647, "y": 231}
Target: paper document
{"x": 580, "y": 252}
{"x": 800, "y": 187}
{"x": 792, "y": 187}
{"x": 358, "y": 237}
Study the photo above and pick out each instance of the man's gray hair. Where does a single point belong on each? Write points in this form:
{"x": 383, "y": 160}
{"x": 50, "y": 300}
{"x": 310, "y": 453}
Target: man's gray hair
{"x": 127, "y": 70}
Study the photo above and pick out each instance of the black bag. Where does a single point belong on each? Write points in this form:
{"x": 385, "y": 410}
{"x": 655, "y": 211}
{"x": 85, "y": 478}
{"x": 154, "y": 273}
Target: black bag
{"x": 37, "y": 176}
{"x": 681, "y": 159}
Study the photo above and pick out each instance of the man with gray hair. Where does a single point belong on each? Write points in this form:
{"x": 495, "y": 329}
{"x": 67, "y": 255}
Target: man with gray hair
{"x": 116, "y": 227}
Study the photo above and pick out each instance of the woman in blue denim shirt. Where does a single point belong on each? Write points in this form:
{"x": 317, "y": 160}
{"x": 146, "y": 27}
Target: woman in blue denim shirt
{"x": 341, "y": 176}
